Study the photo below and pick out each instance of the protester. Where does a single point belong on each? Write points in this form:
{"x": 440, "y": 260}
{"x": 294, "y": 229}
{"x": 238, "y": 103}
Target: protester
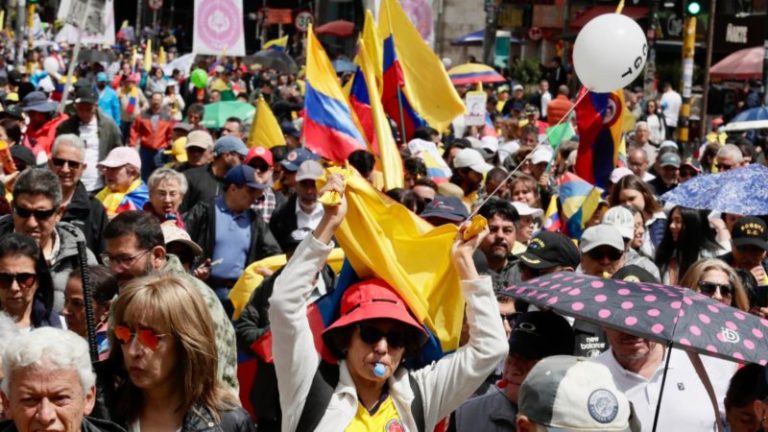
{"x": 602, "y": 250}
{"x": 124, "y": 188}
{"x": 526, "y": 225}
{"x": 267, "y": 201}
{"x": 716, "y": 279}
{"x": 166, "y": 191}
{"x": 497, "y": 245}
{"x": 43, "y": 121}
{"x": 179, "y": 243}
{"x": 207, "y": 181}
{"x": 749, "y": 248}
{"x": 634, "y": 192}
{"x": 668, "y": 173}
{"x": 728, "y": 157}
{"x": 199, "y": 148}
{"x": 469, "y": 167}
{"x": 559, "y": 106}
{"x": 629, "y": 222}
{"x": 132, "y": 103}
{"x": 743, "y": 397}
{"x": 524, "y": 189}
{"x": 109, "y": 102}
{"x": 637, "y": 161}
{"x": 642, "y": 141}
{"x": 151, "y": 132}
{"x": 103, "y": 289}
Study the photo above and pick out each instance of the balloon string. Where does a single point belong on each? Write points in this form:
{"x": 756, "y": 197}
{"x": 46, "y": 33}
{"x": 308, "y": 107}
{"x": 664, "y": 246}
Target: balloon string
{"x": 620, "y": 7}
{"x": 565, "y": 116}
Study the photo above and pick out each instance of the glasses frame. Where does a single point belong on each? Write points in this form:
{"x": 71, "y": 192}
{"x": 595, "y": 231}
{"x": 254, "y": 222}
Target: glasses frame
{"x": 41, "y": 215}
{"x": 123, "y": 261}
{"x": 146, "y": 337}
{"x": 369, "y": 332}
{"x": 15, "y": 277}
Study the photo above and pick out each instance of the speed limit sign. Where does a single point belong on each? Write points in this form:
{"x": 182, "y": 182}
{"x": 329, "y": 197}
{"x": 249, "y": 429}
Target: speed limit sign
{"x": 155, "y": 4}
{"x": 303, "y": 20}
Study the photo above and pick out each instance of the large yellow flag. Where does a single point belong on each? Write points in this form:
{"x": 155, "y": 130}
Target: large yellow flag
{"x": 427, "y": 85}
{"x": 371, "y": 39}
{"x": 147, "y": 64}
{"x": 161, "y": 57}
{"x": 265, "y": 130}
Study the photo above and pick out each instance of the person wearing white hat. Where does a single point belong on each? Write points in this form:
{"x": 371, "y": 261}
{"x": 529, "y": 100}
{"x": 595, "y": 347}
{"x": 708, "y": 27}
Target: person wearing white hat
{"x": 526, "y": 225}
{"x": 469, "y": 169}
{"x": 626, "y": 220}
{"x": 122, "y": 174}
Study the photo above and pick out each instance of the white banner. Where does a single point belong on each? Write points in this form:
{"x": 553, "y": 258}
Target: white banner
{"x": 219, "y": 28}
{"x": 476, "y": 108}
{"x": 99, "y": 26}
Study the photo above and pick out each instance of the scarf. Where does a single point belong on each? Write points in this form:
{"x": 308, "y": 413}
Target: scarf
{"x": 117, "y": 202}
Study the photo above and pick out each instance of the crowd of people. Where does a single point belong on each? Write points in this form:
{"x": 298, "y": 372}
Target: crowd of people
{"x": 172, "y": 213}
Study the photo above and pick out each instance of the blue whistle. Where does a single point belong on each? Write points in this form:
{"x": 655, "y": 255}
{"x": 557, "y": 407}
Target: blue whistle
{"x": 379, "y": 370}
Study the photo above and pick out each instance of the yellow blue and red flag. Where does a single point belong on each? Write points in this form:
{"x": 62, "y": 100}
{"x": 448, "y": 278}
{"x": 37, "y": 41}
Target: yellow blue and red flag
{"x": 578, "y": 200}
{"x": 599, "y": 120}
{"x": 279, "y": 44}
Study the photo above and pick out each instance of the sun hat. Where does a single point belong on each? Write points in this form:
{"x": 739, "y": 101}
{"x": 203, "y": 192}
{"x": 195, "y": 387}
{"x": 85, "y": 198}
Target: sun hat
{"x": 120, "y": 156}
{"x": 173, "y": 234}
{"x": 37, "y": 101}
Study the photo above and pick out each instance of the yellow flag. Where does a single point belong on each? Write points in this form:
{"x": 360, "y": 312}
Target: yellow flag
{"x": 371, "y": 39}
{"x": 134, "y": 57}
{"x": 147, "y": 64}
{"x": 265, "y": 130}
{"x": 161, "y": 56}
{"x": 427, "y": 86}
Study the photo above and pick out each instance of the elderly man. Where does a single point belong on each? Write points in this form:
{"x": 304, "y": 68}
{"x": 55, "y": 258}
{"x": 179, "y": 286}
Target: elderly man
{"x": 199, "y": 149}
{"x": 602, "y": 250}
{"x": 150, "y": 133}
{"x": 99, "y": 134}
{"x": 267, "y": 201}
{"x": 68, "y": 163}
{"x": 642, "y": 140}
{"x": 49, "y": 383}
{"x": 207, "y": 181}
{"x": 729, "y": 157}
{"x": 166, "y": 190}
{"x": 37, "y": 211}
{"x": 124, "y": 190}
{"x": 135, "y": 246}
{"x": 668, "y": 173}
{"x": 637, "y": 160}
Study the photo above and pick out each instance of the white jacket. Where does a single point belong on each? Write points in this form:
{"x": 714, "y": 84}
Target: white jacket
{"x": 445, "y": 384}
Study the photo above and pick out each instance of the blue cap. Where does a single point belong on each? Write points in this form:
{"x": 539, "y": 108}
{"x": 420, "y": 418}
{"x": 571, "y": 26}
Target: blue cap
{"x": 243, "y": 175}
{"x": 287, "y": 128}
{"x": 229, "y": 144}
{"x": 296, "y": 157}
{"x": 444, "y": 207}
{"x": 101, "y": 77}
{"x": 37, "y": 101}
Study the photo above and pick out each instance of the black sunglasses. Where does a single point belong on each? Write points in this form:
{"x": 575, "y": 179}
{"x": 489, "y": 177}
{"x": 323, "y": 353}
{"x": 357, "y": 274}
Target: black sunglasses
{"x": 39, "y": 214}
{"x": 61, "y": 162}
{"x": 600, "y": 253}
{"x": 371, "y": 335}
{"x": 709, "y": 289}
{"x": 25, "y": 280}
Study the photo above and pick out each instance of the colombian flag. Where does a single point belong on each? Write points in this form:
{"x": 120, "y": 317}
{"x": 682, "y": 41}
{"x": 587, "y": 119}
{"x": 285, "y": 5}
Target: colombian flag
{"x": 393, "y": 97}
{"x": 599, "y": 117}
{"x": 578, "y": 200}
{"x": 279, "y": 44}
{"x": 329, "y": 129}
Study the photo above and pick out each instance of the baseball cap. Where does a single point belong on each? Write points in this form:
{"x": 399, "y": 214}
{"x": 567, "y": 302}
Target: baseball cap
{"x": 243, "y": 175}
{"x": 542, "y": 154}
{"x": 619, "y": 173}
{"x": 601, "y": 235}
{"x": 296, "y": 157}
{"x": 634, "y": 273}
{"x": 540, "y": 334}
{"x": 173, "y": 234}
{"x": 750, "y": 230}
{"x": 668, "y": 144}
{"x": 622, "y": 218}
{"x": 24, "y": 155}
{"x": 448, "y": 208}
{"x": 517, "y": 87}
{"x": 120, "y": 156}
{"x": 567, "y": 393}
{"x": 37, "y": 101}
{"x": 472, "y": 159}
{"x": 549, "y": 249}
{"x": 101, "y": 77}
{"x": 186, "y": 127}
{"x": 259, "y": 152}
{"x": 86, "y": 94}
{"x": 524, "y": 209}
{"x": 229, "y": 144}
{"x": 309, "y": 170}
{"x": 670, "y": 159}
{"x": 287, "y": 128}
{"x": 200, "y": 139}
{"x": 692, "y": 163}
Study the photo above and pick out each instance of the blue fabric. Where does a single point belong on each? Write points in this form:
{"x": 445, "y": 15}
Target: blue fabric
{"x": 109, "y": 102}
{"x": 233, "y": 240}
{"x": 759, "y": 113}
{"x": 148, "y": 162}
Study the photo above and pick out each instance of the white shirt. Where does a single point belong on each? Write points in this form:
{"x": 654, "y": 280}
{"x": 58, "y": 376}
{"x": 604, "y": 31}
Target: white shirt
{"x": 308, "y": 220}
{"x": 546, "y": 98}
{"x": 685, "y": 405}
{"x": 671, "y": 101}
{"x": 89, "y": 133}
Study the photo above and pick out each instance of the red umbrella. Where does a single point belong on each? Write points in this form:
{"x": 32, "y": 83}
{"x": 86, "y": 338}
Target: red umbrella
{"x": 742, "y": 65}
{"x": 340, "y": 28}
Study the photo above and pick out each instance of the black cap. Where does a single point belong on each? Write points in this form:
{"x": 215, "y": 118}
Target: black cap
{"x": 634, "y": 273}
{"x": 448, "y": 208}
{"x": 24, "y": 155}
{"x": 540, "y": 334}
{"x": 550, "y": 249}
{"x": 86, "y": 94}
{"x": 750, "y": 230}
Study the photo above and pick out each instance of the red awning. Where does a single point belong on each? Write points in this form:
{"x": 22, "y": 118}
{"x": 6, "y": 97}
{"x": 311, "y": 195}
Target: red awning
{"x": 742, "y": 65}
{"x": 634, "y": 12}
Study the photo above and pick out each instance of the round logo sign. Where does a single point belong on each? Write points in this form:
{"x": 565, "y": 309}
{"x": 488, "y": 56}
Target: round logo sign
{"x": 303, "y": 20}
{"x": 535, "y": 33}
{"x": 603, "y": 406}
{"x": 155, "y": 4}
{"x": 220, "y": 25}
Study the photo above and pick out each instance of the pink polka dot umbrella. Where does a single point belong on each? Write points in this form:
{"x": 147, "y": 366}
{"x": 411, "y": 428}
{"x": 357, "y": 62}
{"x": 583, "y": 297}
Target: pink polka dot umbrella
{"x": 671, "y": 315}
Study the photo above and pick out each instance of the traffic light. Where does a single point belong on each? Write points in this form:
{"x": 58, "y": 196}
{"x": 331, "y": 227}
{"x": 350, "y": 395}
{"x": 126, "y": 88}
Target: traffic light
{"x": 693, "y": 8}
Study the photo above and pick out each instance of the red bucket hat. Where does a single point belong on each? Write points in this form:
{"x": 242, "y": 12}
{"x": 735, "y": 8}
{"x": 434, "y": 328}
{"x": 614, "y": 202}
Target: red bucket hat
{"x": 372, "y": 299}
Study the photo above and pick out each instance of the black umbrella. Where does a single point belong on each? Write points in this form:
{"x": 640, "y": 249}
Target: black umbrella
{"x": 95, "y": 56}
{"x": 273, "y": 59}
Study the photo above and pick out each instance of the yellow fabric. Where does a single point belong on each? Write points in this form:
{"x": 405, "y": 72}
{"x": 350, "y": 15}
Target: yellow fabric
{"x": 147, "y": 65}
{"x": 470, "y": 199}
{"x": 427, "y": 85}
{"x": 161, "y": 58}
{"x": 265, "y": 130}
{"x": 370, "y": 38}
{"x": 381, "y": 238}
{"x": 277, "y": 43}
{"x": 251, "y": 279}
{"x": 112, "y": 200}
{"x": 134, "y": 57}
{"x": 518, "y": 248}
{"x": 384, "y": 419}
{"x": 717, "y": 137}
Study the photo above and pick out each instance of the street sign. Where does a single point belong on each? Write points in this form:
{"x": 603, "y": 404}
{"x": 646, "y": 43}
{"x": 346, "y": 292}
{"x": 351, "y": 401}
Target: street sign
{"x": 303, "y": 20}
{"x": 155, "y": 4}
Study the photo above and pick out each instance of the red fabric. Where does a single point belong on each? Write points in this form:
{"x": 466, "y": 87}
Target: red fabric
{"x": 329, "y": 143}
{"x": 143, "y": 134}
{"x": 246, "y": 372}
{"x": 557, "y": 108}
{"x": 41, "y": 139}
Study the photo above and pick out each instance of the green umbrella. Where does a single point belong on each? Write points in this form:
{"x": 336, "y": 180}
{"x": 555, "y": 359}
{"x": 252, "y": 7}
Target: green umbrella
{"x": 216, "y": 114}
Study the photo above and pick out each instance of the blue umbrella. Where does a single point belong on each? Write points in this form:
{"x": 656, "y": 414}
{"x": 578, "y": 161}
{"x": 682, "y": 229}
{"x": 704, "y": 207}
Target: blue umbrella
{"x": 741, "y": 191}
{"x": 759, "y": 113}
{"x": 343, "y": 66}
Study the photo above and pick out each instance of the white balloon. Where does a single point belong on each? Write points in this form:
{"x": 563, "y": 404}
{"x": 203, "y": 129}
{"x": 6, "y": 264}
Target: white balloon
{"x": 51, "y": 66}
{"x": 609, "y": 52}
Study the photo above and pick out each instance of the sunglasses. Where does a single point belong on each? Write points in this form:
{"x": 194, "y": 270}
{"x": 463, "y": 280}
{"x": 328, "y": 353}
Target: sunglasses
{"x": 509, "y": 317}
{"x": 61, "y": 162}
{"x": 371, "y": 335}
{"x": 146, "y": 337}
{"x": 25, "y": 280}
{"x": 600, "y": 253}
{"x": 39, "y": 214}
{"x": 709, "y": 289}
{"x": 722, "y": 167}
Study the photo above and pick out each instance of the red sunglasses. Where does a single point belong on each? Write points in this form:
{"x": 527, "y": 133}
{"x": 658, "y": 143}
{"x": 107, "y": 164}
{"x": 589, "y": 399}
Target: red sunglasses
{"x": 146, "y": 337}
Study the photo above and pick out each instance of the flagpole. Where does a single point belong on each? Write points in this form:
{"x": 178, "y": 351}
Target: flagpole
{"x": 402, "y": 116}
{"x": 73, "y": 60}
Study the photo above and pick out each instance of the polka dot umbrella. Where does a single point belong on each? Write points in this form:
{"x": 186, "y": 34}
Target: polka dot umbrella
{"x": 674, "y": 316}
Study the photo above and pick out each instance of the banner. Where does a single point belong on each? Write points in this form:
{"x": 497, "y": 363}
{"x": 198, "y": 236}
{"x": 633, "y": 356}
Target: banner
{"x": 219, "y": 28}
{"x": 99, "y": 26}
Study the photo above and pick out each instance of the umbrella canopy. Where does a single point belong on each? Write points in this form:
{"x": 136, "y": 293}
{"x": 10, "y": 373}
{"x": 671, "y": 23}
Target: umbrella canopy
{"x": 342, "y": 66}
{"x": 744, "y": 64}
{"x": 216, "y": 114}
{"x": 340, "y": 28}
{"x": 741, "y": 191}
{"x": 95, "y": 55}
{"x": 745, "y": 125}
{"x": 670, "y": 315}
{"x": 759, "y": 113}
{"x": 273, "y": 59}
{"x": 476, "y": 38}
{"x": 473, "y": 73}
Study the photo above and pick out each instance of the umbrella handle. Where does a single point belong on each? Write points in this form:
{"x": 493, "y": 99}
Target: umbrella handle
{"x": 699, "y": 366}
{"x": 661, "y": 390}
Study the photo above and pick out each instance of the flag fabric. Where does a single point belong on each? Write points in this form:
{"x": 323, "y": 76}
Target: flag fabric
{"x": 599, "y": 120}
{"x": 161, "y": 57}
{"x": 279, "y": 44}
{"x": 329, "y": 129}
{"x": 578, "y": 200}
{"x": 265, "y": 130}
{"x": 117, "y": 202}
{"x": 371, "y": 39}
{"x": 552, "y": 216}
{"x": 556, "y": 134}
{"x": 411, "y": 66}
{"x": 437, "y": 169}
{"x": 147, "y": 64}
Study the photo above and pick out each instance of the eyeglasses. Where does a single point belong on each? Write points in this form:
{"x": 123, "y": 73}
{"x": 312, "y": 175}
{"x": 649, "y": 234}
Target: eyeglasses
{"x": 709, "y": 289}
{"x": 509, "y": 317}
{"x": 39, "y": 214}
{"x": 121, "y": 260}
{"x": 146, "y": 337}
{"x": 260, "y": 167}
{"x": 600, "y": 253}
{"x": 59, "y": 163}
{"x": 371, "y": 335}
{"x": 723, "y": 167}
{"x": 25, "y": 280}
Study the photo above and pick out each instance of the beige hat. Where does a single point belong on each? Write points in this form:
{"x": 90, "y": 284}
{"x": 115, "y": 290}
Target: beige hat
{"x": 200, "y": 139}
{"x": 172, "y": 233}
{"x": 450, "y": 189}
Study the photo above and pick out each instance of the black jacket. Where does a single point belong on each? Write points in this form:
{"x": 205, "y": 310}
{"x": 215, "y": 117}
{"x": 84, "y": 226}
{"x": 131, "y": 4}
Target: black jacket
{"x": 283, "y": 222}
{"x": 200, "y": 419}
{"x": 89, "y": 215}
{"x": 203, "y": 186}
{"x": 109, "y": 134}
{"x": 201, "y": 226}
{"x": 89, "y": 424}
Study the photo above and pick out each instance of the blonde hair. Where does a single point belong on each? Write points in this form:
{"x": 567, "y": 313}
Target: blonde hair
{"x": 696, "y": 271}
{"x": 168, "y": 304}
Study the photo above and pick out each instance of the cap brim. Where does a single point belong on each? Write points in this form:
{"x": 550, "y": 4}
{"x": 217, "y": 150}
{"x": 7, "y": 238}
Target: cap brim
{"x": 202, "y": 146}
{"x": 43, "y": 107}
{"x": 534, "y": 262}
{"x": 443, "y": 215}
{"x": 255, "y": 185}
{"x": 106, "y": 163}
{"x": 482, "y": 168}
{"x": 290, "y": 166}
{"x": 85, "y": 100}
{"x": 747, "y": 241}
{"x": 192, "y": 245}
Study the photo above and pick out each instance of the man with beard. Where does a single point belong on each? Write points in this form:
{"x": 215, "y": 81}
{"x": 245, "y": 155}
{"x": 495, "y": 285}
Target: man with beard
{"x": 135, "y": 247}
{"x": 497, "y": 245}
{"x": 469, "y": 167}
{"x": 207, "y": 181}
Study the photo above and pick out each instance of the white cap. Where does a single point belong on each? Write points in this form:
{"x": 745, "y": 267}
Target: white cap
{"x": 120, "y": 156}
{"x": 622, "y": 218}
{"x": 472, "y": 159}
{"x": 489, "y": 143}
{"x": 524, "y": 209}
{"x": 619, "y": 173}
{"x": 601, "y": 235}
{"x": 542, "y": 154}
